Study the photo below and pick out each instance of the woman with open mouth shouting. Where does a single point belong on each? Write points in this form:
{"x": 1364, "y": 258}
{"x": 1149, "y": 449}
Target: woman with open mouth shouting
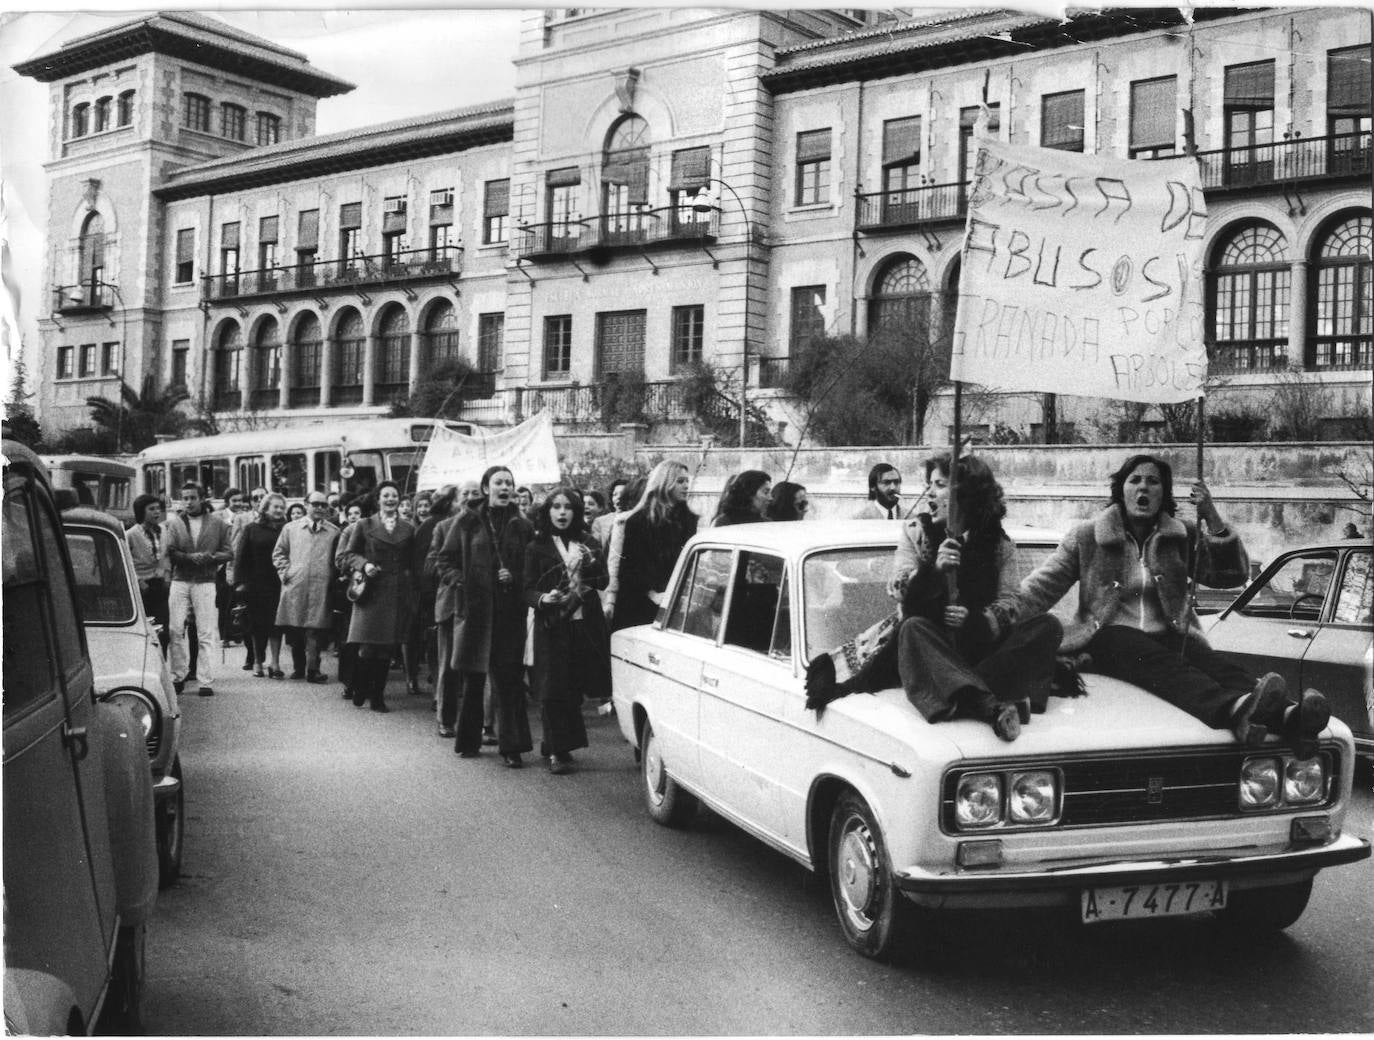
{"x": 1135, "y": 615}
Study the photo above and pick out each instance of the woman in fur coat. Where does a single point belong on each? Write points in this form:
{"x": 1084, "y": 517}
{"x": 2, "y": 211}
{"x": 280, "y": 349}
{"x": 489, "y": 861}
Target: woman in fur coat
{"x": 564, "y": 571}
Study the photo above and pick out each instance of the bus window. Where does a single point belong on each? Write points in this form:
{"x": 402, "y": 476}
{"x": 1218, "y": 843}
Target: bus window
{"x": 367, "y": 471}
{"x": 251, "y": 472}
{"x": 155, "y": 479}
{"x": 288, "y": 475}
{"x": 326, "y": 467}
{"x": 404, "y": 467}
{"x": 87, "y": 487}
{"x": 184, "y": 473}
{"x": 214, "y": 474}
{"x": 114, "y": 494}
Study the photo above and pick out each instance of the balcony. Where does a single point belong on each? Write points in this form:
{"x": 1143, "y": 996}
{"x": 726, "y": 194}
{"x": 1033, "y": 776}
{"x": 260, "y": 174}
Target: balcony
{"x": 560, "y": 239}
{"x": 357, "y": 272}
{"x": 1286, "y": 162}
{"x": 913, "y": 207}
{"x": 88, "y": 298}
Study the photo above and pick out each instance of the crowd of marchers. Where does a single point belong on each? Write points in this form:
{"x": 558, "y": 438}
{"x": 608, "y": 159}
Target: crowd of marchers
{"x": 501, "y": 597}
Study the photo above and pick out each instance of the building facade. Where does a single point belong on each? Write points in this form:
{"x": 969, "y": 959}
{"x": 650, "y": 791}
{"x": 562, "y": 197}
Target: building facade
{"x": 668, "y": 187}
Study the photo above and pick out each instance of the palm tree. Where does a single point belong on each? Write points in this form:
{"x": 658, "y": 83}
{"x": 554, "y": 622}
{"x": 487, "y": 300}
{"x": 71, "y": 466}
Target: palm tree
{"x": 136, "y": 419}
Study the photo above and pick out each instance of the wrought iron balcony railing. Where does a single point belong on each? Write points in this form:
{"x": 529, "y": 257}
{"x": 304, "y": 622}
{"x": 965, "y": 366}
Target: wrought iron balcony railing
{"x": 86, "y": 298}
{"x": 913, "y": 207}
{"x": 1286, "y": 162}
{"x": 650, "y": 227}
{"x": 358, "y": 271}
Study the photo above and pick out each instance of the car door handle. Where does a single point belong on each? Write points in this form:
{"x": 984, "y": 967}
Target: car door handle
{"x": 653, "y": 660}
{"x": 1301, "y": 633}
{"x": 710, "y": 680}
{"x": 74, "y": 738}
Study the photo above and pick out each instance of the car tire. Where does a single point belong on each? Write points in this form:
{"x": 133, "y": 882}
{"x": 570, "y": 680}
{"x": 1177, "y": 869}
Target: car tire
{"x": 1267, "y": 909}
{"x": 171, "y": 825}
{"x": 873, "y": 915}
{"x": 667, "y": 803}
{"x": 122, "y": 1013}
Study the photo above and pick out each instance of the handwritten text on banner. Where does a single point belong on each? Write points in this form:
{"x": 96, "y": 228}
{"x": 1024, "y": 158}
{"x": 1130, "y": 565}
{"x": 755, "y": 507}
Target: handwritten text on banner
{"x": 1082, "y": 274}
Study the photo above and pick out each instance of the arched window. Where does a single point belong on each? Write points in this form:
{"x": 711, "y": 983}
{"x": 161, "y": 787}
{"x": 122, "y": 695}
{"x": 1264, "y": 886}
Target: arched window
{"x": 900, "y": 304}
{"x": 393, "y": 355}
{"x": 81, "y": 119}
{"x": 91, "y": 257}
{"x": 1249, "y": 297}
{"x": 124, "y": 115}
{"x": 441, "y": 334}
{"x": 305, "y": 363}
{"x": 625, "y": 179}
{"x": 103, "y": 109}
{"x": 228, "y": 368}
{"x": 1343, "y": 331}
{"x": 267, "y": 365}
{"x": 349, "y": 344}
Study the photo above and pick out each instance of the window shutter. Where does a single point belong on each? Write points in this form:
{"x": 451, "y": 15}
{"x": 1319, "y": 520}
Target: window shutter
{"x": 968, "y": 117}
{"x": 1152, "y": 112}
{"x": 350, "y": 215}
{"x": 497, "y": 202}
{"x": 813, "y": 145}
{"x": 691, "y": 169}
{"x": 308, "y": 229}
{"x": 1061, "y": 121}
{"x": 1251, "y": 86}
{"x": 267, "y": 230}
{"x": 186, "y": 248}
{"x": 902, "y": 141}
{"x": 393, "y": 222}
{"x": 564, "y": 178}
{"x": 1348, "y": 74}
{"x": 229, "y": 236}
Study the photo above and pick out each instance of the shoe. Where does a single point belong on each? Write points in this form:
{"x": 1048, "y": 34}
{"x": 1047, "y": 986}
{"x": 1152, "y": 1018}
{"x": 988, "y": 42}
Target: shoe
{"x": 1304, "y": 721}
{"x": 359, "y": 698}
{"x": 446, "y": 732}
{"x": 294, "y": 675}
{"x": 248, "y": 667}
{"x": 488, "y": 737}
{"x": 380, "y": 707}
{"x": 179, "y": 686}
{"x": 207, "y": 691}
{"x": 513, "y": 761}
{"x": 316, "y": 677}
{"x": 1006, "y": 723}
{"x": 258, "y": 673}
{"x": 1260, "y": 709}
{"x": 556, "y": 766}
{"x": 468, "y": 754}
{"x": 348, "y": 693}
{"x": 277, "y": 673}
{"x": 413, "y": 689}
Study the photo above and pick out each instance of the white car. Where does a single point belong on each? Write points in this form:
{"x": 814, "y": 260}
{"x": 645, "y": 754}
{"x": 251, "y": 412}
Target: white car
{"x": 1116, "y": 803}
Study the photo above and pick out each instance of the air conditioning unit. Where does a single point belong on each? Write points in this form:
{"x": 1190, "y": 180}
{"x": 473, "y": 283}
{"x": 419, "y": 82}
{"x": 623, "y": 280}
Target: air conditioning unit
{"x": 396, "y": 204}
{"x": 441, "y": 197}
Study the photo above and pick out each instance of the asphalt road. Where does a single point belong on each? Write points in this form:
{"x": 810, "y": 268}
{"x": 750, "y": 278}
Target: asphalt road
{"x": 347, "y": 873}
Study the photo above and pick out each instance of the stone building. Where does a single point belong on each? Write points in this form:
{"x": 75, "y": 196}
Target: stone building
{"x": 668, "y": 186}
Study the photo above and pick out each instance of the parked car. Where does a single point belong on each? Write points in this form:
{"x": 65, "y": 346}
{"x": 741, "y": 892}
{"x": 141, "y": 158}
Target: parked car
{"x": 80, "y": 852}
{"x": 1309, "y": 617}
{"x": 129, "y": 665}
{"x": 1117, "y": 804}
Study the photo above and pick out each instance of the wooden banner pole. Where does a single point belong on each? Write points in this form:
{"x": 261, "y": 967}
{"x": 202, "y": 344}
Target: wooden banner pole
{"x": 952, "y": 511}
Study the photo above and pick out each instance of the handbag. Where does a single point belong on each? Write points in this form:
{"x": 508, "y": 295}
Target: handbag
{"x": 358, "y": 588}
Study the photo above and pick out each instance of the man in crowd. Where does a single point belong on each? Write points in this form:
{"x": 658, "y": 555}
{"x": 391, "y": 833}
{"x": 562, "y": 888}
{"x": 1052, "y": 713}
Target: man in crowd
{"x": 148, "y": 547}
{"x": 884, "y": 494}
{"x": 304, "y": 558}
{"x": 197, "y": 546}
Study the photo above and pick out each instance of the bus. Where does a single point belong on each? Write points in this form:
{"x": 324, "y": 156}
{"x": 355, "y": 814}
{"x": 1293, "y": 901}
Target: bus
{"x": 346, "y": 457}
{"x": 102, "y": 483}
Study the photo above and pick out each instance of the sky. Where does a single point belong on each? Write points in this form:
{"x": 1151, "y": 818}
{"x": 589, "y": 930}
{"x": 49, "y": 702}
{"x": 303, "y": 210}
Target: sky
{"x": 405, "y": 62}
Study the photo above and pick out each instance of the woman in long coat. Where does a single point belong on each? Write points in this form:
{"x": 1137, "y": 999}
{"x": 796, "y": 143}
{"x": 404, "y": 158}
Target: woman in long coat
{"x": 655, "y": 532}
{"x": 258, "y": 584}
{"x": 564, "y": 571}
{"x": 483, "y": 558}
{"x": 380, "y": 547}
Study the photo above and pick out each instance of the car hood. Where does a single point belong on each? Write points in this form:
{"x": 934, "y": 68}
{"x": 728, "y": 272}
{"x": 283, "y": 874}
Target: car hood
{"x": 1113, "y": 716}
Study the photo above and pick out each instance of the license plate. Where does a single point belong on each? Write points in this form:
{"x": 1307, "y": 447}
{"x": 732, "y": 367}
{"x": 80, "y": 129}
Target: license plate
{"x": 1137, "y": 902}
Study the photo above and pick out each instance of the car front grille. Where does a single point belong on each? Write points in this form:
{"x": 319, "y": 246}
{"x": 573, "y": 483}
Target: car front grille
{"x": 154, "y": 742}
{"x": 1125, "y": 788}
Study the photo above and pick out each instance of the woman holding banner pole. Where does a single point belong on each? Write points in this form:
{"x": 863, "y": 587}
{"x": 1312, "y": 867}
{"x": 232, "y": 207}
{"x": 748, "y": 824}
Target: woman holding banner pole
{"x": 1135, "y": 617}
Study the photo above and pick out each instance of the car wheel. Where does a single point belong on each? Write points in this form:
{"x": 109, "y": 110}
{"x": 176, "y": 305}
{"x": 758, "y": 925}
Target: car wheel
{"x": 873, "y": 914}
{"x": 171, "y": 824}
{"x": 122, "y": 1013}
{"x": 668, "y": 803}
{"x": 1267, "y": 909}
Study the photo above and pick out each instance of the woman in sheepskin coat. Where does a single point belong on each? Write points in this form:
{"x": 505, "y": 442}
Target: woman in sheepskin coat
{"x": 564, "y": 571}
{"x": 1135, "y": 616}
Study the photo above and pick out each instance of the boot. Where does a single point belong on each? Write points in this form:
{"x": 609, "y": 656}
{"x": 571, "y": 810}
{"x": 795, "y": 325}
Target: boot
{"x": 1260, "y": 711}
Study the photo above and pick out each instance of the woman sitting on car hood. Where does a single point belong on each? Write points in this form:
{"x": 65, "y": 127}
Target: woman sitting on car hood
{"x": 1135, "y": 617}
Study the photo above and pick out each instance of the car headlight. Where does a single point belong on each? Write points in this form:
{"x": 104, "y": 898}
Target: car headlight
{"x": 1259, "y": 783}
{"x": 1304, "y": 781}
{"x": 145, "y": 712}
{"x": 978, "y": 800}
{"x": 1032, "y": 797}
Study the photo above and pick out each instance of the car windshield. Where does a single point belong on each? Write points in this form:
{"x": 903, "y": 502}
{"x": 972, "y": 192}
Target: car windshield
{"x": 102, "y": 583}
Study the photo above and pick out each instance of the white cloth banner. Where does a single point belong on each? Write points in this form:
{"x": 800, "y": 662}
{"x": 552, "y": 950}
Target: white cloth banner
{"x": 1082, "y": 274}
{"x": 528, "y": 450}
